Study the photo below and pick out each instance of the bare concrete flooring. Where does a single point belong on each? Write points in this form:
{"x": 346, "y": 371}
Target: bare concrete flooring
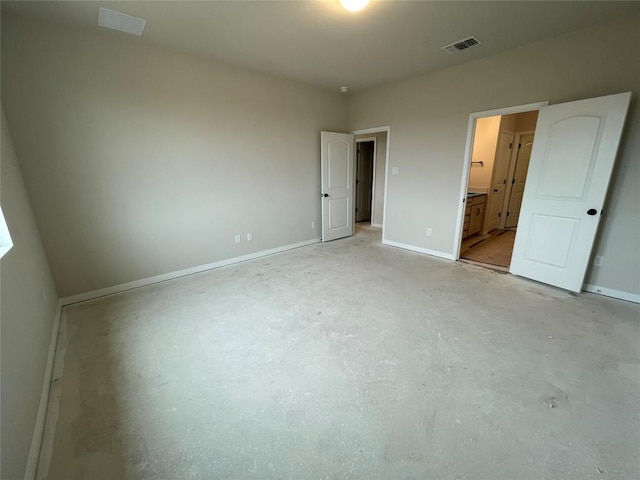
{"x": 347, "y": 360}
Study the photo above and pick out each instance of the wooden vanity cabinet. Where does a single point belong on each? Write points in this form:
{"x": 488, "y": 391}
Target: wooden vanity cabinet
{"x": 474, "y": 215}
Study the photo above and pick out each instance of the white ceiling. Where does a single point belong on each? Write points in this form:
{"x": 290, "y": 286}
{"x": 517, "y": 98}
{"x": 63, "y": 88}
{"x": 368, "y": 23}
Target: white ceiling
{"x": 319, "y": 43}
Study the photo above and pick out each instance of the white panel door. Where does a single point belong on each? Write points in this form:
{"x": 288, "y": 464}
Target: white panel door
{"x": 337, "y": 173}
{"x": 499, "y": 180}
{"x": 569, "y": 171}
{"x": 519, "y": 178}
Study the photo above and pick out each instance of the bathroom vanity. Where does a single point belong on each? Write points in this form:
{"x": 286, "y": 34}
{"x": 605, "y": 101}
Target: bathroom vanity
{"x": 474, "y": 214}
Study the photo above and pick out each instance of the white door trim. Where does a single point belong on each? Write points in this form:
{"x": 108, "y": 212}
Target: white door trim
{"x": 464, "y": 181}
{"x": 373, "y": 186}
{"x": 387, "y": 129}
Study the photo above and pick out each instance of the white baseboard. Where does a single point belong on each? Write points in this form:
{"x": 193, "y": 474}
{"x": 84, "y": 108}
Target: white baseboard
{"x": 609, "y": 292}
{"x": 81, "y": 297}
{"x": 38, "y": 430}
{"x": 433, "y": 253}
{"x": 376, "y": 225}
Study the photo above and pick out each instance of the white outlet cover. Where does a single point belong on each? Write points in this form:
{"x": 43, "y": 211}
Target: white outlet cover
{"x": 395, "y": 170}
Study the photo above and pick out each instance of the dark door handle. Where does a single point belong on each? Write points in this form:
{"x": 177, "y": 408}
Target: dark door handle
{"x": 592, "y": 211}
{"x": 324, "y": 195}
{"x": 495, "y": 190}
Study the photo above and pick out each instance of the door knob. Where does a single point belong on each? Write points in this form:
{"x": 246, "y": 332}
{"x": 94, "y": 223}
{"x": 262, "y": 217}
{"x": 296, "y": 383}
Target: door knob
{"x": 592, "y": 211}
{"x": 495, "y": 190}
{"x": 324, "y": 194}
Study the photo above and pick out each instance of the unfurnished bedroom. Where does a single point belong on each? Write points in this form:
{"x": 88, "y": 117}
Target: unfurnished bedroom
{"x": 319, "y": 239}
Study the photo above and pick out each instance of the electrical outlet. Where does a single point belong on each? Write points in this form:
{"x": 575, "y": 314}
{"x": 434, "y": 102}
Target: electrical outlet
{"x": 313, "y": 224}
{"x": 395, "y": 170}
{"x": 249, "y": 236}
{"x": 238, "y": 238}
{"x": 597, "y": 261}
{"x": 428, "y": 232}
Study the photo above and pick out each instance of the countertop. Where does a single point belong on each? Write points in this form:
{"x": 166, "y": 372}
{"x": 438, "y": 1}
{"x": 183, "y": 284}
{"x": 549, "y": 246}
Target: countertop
{"x": 474, "y": 194}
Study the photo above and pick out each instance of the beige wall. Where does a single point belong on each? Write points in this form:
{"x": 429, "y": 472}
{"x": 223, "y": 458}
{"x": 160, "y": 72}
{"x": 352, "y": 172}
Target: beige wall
{"x": 381, "y": 166}
{"x": 28, "y": 302}
{"x": 526, "y": 122}
{"x": 485, "y": 142}
{"x": 429, "y": 114}
{"x": 141, "y": 161}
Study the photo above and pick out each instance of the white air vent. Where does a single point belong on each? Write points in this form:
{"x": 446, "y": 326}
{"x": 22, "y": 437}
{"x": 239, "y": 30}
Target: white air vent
{"x": 461, "y": 45}
{"x": 121, "y": 21}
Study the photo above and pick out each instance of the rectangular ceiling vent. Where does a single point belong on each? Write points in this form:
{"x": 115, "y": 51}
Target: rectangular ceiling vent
{"x": 461, "y": 45}
{"x": 121, "y": 21}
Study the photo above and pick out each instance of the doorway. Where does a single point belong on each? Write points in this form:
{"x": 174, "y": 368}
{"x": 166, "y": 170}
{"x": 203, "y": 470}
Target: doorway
{"x": 365, "y": 168}
{"x": 498, "y": 168}
{"x": 571, "y": 164}
{"x": 338, "y": 190}
{"x": 375, "y": 210}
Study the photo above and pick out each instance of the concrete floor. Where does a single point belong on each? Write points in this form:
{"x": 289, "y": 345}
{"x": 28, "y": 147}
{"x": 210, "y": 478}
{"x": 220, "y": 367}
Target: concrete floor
{"x": 347, "y": 360}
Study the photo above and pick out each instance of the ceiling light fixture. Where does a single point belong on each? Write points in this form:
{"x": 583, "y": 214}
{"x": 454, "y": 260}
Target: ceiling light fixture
{"x": 354, "y": 5}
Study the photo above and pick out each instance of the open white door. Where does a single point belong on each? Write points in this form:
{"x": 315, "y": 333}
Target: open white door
{"x": 337, "y": 172}
{"x": 569, "y": 171}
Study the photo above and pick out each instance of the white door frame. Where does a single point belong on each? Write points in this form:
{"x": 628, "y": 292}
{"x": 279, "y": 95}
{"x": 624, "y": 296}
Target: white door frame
{"x": 373, "y": 186}
{"x": 512, "y": 168}
{"x": 367, "y": 131}
{"x": 464, "y": 182}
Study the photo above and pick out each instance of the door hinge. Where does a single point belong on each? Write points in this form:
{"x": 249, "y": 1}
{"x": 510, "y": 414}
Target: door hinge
{"x": 519, "y": 146}
{"x": 499, "y": 214}
{"x": 357, "y": 181}
{"x": 513, "y": 180}
{"x": 504, "y": 181}
{"x": 511, "y": 145}
{"x": 356, "y": 209}
{"x": 507, "y": 214}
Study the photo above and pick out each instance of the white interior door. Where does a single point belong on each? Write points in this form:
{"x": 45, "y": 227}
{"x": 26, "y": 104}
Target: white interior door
{"x": 337, "y": 173}
{"x": 499, "y": 180}
{"x": 571, "y": 163}
{"x": 523, "y": 156}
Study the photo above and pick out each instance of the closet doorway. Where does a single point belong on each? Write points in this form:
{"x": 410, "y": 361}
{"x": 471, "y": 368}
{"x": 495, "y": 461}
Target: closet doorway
{"x": 365, "y": 167}
{"x": 497, "y": 175}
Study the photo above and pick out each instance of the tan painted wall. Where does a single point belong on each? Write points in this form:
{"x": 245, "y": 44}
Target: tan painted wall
{"x": 526, "y": 122}
{"x": 28, "y": 302}
{"x": 141, "y": 161}
{"x": 429, "y": 114}
{"x": 381, "y": 165}
{"x": 484, "y": 150}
